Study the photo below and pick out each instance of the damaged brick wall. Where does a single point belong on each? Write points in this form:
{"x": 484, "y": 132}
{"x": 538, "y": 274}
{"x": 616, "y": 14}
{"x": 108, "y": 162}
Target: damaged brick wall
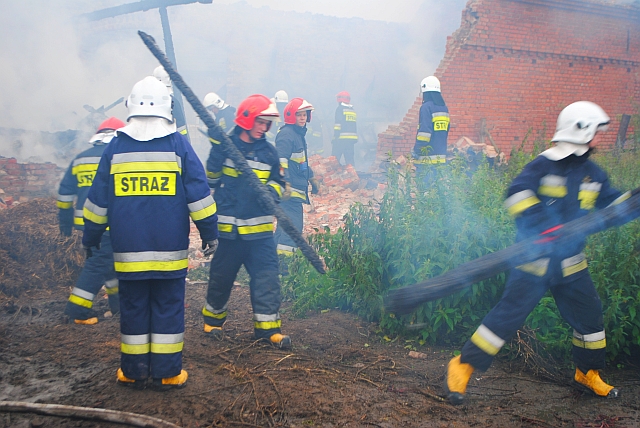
{"x": 514, "y": 64}
{"x": 20, "y": 182}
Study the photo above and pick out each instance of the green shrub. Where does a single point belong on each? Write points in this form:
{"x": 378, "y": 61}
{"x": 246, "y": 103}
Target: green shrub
{"x": 418, "y": 232}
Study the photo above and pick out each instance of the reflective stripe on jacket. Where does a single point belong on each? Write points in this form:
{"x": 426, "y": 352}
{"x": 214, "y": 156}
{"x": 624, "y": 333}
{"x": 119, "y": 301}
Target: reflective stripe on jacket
{"x": 292, "y": 150}
{"x": 433, "y": 130}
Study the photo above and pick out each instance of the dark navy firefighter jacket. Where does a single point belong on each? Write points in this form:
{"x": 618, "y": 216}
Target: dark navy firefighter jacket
{"x": 292, "y": 150}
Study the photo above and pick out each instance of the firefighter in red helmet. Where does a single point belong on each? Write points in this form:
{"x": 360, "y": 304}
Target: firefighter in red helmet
{"x": 97, "y": 270}
{"x": 345, "y": 130}
{"x": 246, "y": 228}
{"x": 292, "y": 150}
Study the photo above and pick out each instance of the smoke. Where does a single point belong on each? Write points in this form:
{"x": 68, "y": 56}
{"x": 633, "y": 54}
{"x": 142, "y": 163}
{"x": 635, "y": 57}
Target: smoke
{"x": 52, "y": 66}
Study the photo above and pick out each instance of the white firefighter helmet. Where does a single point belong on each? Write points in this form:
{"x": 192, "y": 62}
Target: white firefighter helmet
{"x": 430, "y": 83}
{"x": 577, "y": 125}
{"x": 578, "y": 122}
{"x": 281, "y": 97}
{"x": 161, "y": 74}
{"x": 150, "y": 98}
{"x": 213, "y": 100}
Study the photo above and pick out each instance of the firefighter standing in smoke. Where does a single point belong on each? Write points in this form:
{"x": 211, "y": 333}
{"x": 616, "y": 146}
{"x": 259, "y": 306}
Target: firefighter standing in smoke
{"x": 345, "y": 130}
{"x": 97, "y": 270}
{"x": 281, "y": 99}
{"x": 431, "y": 138}
{"x": 560, "y": 185}
{"x": 292, "y": 150}
{"x": 161, "y": 74}
{"x": 222, "y": 112}
{"x": 246, "y": 227}
{"x": 149, "y": 182}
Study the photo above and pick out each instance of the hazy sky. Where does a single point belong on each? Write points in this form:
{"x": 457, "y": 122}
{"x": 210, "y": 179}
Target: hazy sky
{"x": 381, "y": 10}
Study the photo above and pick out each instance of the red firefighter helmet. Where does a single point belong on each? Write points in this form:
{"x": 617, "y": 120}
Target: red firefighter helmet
{"x": 111, "y": 124}
{"x": 294, "y": 106}
{"x": 343, "y": 97}
{"x": 252, "y": 107}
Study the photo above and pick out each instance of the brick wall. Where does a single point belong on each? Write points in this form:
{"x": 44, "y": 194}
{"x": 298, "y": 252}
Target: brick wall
{"x": 24, "y": 181}
{"x": 514, "y": 64}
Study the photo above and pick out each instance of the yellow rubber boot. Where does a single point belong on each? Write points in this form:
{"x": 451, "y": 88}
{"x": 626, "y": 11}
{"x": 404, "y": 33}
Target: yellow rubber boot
{"x": 280, "y": 340}
{"x": 213, "y": 331}
{"x": 594, "y": 383}
{"x": 455, "y": 384}
{"x": 88, "y": 321}
{"x": 122, "y": 380}
{"x": 174, "y": 382}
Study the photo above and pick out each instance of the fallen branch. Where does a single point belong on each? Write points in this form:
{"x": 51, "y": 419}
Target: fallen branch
{"x": 89, "y": 413}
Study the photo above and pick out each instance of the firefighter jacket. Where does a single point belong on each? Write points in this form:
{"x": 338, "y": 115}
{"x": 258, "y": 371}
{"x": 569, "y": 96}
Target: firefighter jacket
{"x": 433, "y": 129}
{"x": 345, "y": 127}
{"x": 272, "y": 133}
{"x": 315, "y": 144}
{"x": 548, "y": 193}
{"x": 240, "y": 216}
{"x": 146, "y": 191}
{"x": 225, "y": 118}
{"x": 76, "y": 184}
{"x": 292, "y": 150}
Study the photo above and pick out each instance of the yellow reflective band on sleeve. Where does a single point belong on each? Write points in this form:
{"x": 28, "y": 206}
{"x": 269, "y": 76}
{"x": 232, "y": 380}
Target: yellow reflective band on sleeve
{"x": 64, "y": 205}
{"x": 164, "y": 266}
{"x": 522, "y": 206}
{"x": 588, "y": 199}
{"x": 284, "y": 162}
{"x": 219, "y": 316}
{"x": 299, "y": 195}
{"x": 183, "y": 131}
{"x": 276, "y": 186}
{"x": 423, "y": 138}
{"x": 537, "y": 268}
{"x": 440, "y": 123}
{"x": 212, "y": 141}
{"x": 348, "y": 137}
{"x": 135, "y": 349}
{"x": 145, "y": 184}
{"x": 98, "y": 219}
{"x": 78, "y": 221}
{"x": 225, "y": 227}
{"x": 262, "y": 175}
{"x": 572, "y": 265}
{"x": 337, "y": 127}
{"x": 267, "y": 325}
{"x": 214, "y": 175}
{"x": 203, "y": 213}
{"x": 231, "y": 172}
{"x": 487, "y": 340}
{"x": 111, "y": 290}
{"x": 77, "y": 300}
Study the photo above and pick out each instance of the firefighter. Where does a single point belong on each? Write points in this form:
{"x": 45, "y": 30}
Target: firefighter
{"x": 292, "y": 150}
{"x": 222, "y": 112}
{"x": 246, "y": 228}
{"x": 97, "y": 270}
{"x": 161, "y": 74}
{"x": 281, "y": 99}
{"x": 148, "y": 184}
{"x": 345, "y": 130}
{"x": 558, "y": 186}
{"x": 431, "y": 139}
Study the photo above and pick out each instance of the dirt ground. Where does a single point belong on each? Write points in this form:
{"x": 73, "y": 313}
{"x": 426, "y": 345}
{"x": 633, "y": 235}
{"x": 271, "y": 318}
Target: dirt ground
{"x": 339, "y": 373}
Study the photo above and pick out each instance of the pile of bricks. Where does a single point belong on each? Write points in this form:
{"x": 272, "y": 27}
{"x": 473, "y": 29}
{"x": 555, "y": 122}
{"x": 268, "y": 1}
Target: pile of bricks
{"x": 340, "y": 187}
{"x": 21, "y": 182}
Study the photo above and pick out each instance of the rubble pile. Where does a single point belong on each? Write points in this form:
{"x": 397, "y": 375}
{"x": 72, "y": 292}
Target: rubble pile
{"x": 22, "y": 182}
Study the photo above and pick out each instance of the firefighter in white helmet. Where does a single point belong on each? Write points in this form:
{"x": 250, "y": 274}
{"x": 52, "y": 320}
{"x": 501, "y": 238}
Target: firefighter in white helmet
{"x": 560, "y": 185}
{"x": 222, "y": 112}
{"x": 280, "y": 99}
{"x": 148, "y": 186}
{"x": 430, "y": 147}
{"x": 292, "y": 150}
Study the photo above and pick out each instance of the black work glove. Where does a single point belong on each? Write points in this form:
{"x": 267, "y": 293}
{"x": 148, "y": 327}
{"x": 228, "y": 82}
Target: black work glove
{"x": 65, "y": 220}
{"x": 209, "y": 247}
{"x": 88, "y": 252}
{"x": 315, "y": 186}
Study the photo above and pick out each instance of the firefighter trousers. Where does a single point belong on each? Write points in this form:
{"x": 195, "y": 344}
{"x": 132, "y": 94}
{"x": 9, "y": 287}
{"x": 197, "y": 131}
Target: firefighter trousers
{"x": 293, "y": 210}
{"x": 98, "y": 270}
{"x": 576, "y": 298}
{"x": 261, "y": 262}
{"x": 344, "y": 147}
{"x": 151, "y": 327}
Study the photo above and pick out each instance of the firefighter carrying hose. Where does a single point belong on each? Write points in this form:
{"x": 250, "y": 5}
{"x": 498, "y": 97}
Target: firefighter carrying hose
{"x": 246, "y": 227}
{"x": 148, "y": 184}
{"x": 345, "y": 130}
{"x": 431, "y": 139}
{"x": 558, "y": 186}
{"x": 97, "y": 270}
{"x": 292, "y": 150}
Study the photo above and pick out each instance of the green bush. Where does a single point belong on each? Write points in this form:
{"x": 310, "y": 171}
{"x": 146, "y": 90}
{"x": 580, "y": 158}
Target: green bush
{"x": 418, "y": 232}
